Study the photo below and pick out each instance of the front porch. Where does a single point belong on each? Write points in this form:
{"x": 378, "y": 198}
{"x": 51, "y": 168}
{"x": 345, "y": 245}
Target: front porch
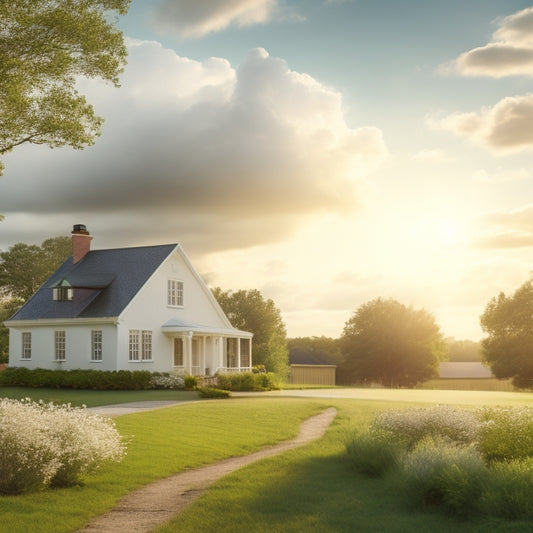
{"x": 203, "y": 351}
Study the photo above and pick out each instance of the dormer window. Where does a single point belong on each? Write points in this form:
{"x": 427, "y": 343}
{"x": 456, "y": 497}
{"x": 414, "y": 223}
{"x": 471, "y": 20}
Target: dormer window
{"x": 63, "y": 294}
{"x": 63, "y": 291}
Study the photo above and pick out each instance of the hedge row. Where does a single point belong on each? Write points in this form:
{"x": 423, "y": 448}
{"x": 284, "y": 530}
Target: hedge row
{"x": 76, "y": 379}
{"x": 247, "y": 381}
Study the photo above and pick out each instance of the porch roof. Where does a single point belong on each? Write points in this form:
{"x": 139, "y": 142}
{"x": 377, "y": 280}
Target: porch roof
{"x": 180, "y": 326}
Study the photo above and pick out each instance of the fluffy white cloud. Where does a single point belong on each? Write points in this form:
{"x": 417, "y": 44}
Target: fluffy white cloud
{"x": 509, "y": 54}
{"x": 505, "y": 127}
{"x": 214, "y": 156}
{"x": 191, "y": 18}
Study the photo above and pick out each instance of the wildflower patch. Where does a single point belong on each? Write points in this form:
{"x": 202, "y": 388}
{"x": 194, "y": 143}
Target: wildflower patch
{"x": 464, "y": 461}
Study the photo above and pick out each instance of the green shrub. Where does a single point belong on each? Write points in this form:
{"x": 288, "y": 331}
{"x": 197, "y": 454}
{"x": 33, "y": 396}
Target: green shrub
{"x": 190, "y": 382}
{"x": 506, "y": 433}
{"x": 437, "y": 472}
{"x": 373, "y": 455}
{"x": 76, "y": 379}
{"x": 509, "y": 490}
{"x": 247, "y": 381}
{"x": 213, "y": 392}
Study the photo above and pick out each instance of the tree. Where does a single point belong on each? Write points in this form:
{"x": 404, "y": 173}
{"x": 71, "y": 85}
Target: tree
{"x": 249, "y": 311}
{"x": 321, "y": 350}
{"x": 391, "y": 344}
{"x": 23, "y": 269}
{"x": 45, "y": 45}
{"x": 463, "y": 350}
{"x": 508, "y": 349}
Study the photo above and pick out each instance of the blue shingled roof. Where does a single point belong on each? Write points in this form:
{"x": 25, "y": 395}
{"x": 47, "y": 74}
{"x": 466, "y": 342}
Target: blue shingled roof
{"x": 104, "y": 282}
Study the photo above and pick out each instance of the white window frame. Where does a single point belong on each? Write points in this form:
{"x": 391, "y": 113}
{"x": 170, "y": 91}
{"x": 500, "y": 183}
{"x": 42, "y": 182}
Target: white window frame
{"x": 179, "y": 353}
{"x": 133, "y": 345}
{"x": 140, "y": 345}
{"x": 146, "y": 345}
{"x": 96, "y": 345}
{"x": 175, "y": 293}
{"x": 26, "y": 345}
{"x": 63, "y": 294}
{"x": 246, "y": 355}
{"x": 59, "y": 345}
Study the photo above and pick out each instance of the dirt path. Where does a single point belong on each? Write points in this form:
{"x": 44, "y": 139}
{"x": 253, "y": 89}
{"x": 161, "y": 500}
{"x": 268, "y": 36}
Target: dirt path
{"x": 155, "y": 504}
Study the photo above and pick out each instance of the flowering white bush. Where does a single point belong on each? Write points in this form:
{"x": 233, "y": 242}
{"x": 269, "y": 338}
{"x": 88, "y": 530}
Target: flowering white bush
{"x": 168, "y": 381}
{"x": 412, "y": 425}
{"x": 48, "y": 445}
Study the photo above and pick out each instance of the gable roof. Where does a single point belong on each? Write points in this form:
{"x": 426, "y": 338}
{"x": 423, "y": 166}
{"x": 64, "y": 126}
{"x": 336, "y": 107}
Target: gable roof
{"x": 104, "y": 280}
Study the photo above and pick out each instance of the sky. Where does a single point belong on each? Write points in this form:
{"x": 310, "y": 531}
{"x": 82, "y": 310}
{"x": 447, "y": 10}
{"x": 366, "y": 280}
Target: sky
{"x": 325, "y": 152}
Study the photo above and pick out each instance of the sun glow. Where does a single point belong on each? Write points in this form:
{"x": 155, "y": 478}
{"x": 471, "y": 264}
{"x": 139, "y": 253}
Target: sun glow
{"x": 451, "y": 232}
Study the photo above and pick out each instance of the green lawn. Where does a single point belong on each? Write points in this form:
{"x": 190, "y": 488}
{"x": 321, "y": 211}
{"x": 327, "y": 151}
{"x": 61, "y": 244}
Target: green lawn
{"x": 309, "y": 489}
{"x": 93, "y": 398}
{"x": 313, "y": 490}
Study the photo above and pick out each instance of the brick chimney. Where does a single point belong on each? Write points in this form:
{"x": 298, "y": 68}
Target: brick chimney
{"x": 81, "y": 242}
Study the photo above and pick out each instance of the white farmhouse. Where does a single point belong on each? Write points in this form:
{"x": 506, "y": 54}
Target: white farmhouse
{"x": 142, "y": 308}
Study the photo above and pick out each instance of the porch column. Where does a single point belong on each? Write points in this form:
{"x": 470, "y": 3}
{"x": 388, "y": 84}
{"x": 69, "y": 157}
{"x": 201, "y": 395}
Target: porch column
{"x": 203, "y": 343}
{"x": 239, "y": 353}
{"x": 220, "y": 355}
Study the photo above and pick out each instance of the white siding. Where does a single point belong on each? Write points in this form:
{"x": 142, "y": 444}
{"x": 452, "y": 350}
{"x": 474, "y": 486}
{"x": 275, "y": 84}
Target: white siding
{"x": 77, "y": 347}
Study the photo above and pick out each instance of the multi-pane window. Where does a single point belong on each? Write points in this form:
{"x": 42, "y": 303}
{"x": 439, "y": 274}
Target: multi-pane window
{"x": 26, "y": 345}
{"x": 178, "y": 352}
{"x": 146, "y": 345}
{"x": 63, "y": 294}
{"x": 134, "y": 345}
{"x": 175, "y": 293}
{"x": 245, "y": 353}
{"x": 233, "y": 358}
{"x": 59, "y": 341}
{"x": 140, "y": 345}
{"x": 96, "y": 345}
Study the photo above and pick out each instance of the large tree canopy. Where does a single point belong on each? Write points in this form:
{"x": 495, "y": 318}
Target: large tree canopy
{"x": 45, "y": 45}
{"x": 391, "y": 344}
{"x": 508, "y": 349}
{"x": 25, "y": 267}
{"x": 249, "y": 311}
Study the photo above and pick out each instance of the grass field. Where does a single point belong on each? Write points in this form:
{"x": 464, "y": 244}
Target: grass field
{"x": 93, "y": 398}
{"x": 313, "y": 490}
{"x": 306, "y": 490}
{"x": 489, "y": 384}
